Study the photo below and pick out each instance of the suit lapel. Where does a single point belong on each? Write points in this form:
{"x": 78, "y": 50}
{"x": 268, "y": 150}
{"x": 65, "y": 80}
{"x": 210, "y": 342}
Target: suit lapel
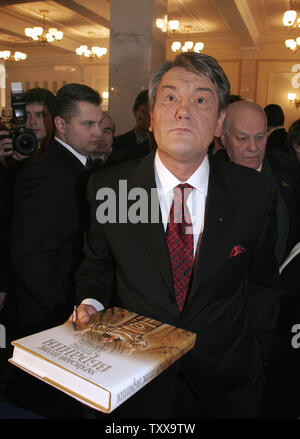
{"x": 152, "y": 234}
{"x": 219, "y": 212}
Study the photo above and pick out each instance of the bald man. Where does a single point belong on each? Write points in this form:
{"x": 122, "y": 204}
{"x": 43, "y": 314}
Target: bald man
{"x": 244, "y": 136}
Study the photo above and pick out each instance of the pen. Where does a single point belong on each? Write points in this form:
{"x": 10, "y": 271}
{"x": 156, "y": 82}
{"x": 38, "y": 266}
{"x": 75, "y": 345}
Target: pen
{"x": 74, "y": 314}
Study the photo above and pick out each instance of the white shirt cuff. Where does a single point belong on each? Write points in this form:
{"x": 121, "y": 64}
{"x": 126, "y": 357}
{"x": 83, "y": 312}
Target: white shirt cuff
{"x": 97, "y": 305}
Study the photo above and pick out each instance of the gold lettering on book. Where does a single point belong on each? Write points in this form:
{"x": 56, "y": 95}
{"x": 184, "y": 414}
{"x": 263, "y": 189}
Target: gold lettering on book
{"x": 125, "y": 336}
{"x": 90, "y": 364}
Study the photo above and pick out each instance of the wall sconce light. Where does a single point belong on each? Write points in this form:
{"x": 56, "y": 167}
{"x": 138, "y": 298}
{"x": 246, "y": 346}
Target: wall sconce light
{"x": 292, "y": 98}
{"x": 105, "y": 95}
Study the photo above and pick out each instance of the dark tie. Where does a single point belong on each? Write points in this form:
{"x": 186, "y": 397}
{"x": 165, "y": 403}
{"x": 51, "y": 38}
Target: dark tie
{"x": 181, "y": 242}
{"x": 89, "y": 163}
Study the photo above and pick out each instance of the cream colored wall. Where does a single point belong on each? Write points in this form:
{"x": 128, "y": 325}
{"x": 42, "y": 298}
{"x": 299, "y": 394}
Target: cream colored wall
{"x": 274, "y": 82}
{"x": 54, "y": 73}
{"x": 270, "y": 79}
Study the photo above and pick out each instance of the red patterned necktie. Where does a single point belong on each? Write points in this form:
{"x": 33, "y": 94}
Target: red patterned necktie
{"x": 180, "y": 241}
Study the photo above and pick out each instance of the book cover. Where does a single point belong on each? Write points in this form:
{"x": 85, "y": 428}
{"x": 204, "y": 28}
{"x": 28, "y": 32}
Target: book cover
{"x": 106, "y": 361}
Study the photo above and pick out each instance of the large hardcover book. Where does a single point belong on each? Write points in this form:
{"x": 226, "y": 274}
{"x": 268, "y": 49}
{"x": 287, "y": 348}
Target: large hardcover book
{"x": 104, "y": 362}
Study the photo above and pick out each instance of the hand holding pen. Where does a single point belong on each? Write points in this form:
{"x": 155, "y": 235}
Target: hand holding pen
{"x": 82, "y": 313}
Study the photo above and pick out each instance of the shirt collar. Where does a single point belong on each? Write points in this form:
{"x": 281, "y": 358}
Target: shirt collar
{"x": 80, "y": 157}
{"x": 166, "y": 181}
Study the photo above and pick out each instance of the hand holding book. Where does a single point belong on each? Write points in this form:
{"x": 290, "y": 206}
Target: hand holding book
{"x": 83, "y": 313}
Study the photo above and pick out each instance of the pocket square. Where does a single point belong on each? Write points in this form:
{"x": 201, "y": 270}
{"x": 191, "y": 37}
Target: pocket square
{"x": 236, "y": 251}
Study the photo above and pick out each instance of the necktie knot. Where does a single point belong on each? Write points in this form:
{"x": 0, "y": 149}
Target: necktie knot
{"x": 89, "y": 163}
{"x": 180, "y": 196}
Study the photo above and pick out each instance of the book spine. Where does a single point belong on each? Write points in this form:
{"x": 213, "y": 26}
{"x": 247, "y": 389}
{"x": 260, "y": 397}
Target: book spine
{"x": 130, "y": 388}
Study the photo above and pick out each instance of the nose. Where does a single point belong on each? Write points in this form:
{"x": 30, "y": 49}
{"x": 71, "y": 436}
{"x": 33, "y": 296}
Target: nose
{"x": 182, "y": 111}
{"x": 98, "y": 130}
{"x": 252, "y": 144}
{"x": 30, "y": 120}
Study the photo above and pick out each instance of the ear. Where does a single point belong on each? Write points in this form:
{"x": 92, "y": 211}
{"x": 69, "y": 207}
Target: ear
{"x": 60, "y": 124}
{"x": 223, "y": 137}
{"x": 220, "y": 124}
{"x": 151, "y": 121}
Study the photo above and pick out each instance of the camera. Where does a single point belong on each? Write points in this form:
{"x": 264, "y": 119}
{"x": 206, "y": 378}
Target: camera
{"x": 24, "y": 139}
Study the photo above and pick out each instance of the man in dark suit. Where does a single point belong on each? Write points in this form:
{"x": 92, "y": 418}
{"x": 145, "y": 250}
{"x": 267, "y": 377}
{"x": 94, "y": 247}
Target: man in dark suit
{"x": 135, "y": 143}
{"x": 140, "y": 132}
{"x": 49, "y": 214}
{"x": 277, "y": 135}
{"x": 244, "y": 136}
{"x": 49, "y": 217}
{"x": 231, "y": 300}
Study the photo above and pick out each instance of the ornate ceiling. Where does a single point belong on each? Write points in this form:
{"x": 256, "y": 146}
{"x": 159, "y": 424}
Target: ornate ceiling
{"x": 243, "y": 23}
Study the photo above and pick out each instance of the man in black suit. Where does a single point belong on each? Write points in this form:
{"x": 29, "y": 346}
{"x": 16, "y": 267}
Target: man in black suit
{"x": 277, "y": 135}
{"x": 49, "y": 214}
{"x": 140, "y": 132}
{"x": 244, "y": 136}
{"x": 232, "y": 298}
{"x": 135, "y": 143}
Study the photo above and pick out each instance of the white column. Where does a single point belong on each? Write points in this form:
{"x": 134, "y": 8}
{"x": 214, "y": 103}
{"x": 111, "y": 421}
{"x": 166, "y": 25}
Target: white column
{"x": 137, "y": 46}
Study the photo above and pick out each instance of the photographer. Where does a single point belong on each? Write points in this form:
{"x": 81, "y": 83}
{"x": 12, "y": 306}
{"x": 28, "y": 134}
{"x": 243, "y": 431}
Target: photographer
{"x": 39, "y": 113}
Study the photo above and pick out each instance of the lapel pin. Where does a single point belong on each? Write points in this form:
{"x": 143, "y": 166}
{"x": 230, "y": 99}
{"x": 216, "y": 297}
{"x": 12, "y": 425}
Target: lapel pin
{"x": 285, "y": 184}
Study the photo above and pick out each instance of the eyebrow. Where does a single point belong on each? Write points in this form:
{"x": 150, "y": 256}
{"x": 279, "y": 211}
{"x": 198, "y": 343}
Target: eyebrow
{"x": 242, "y": 133}
{"x": 173, "y": 87}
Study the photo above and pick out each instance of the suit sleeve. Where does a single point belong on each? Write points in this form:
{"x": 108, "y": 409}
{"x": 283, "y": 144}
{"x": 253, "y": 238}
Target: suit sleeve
{"x": 95, "y": 278}
{"x": 264, "y": 281}
{"x": 36, "y": 235}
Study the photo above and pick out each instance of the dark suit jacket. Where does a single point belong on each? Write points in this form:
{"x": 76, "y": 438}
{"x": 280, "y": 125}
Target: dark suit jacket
{"x": 277, "y": 140}
{"x": 127, "y": 153}
{"x": 286, "y": 172}
{"x": 126, "y": 139}
{"x": 49, "y": 215}
{"x": 3, "y": 234}
{"x": 283, "y": 170}
{"x": 233, "y": 301}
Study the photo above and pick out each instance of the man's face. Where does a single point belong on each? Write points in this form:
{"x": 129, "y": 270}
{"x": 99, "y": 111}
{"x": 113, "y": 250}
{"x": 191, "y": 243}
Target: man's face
{"x": 185, "y": 116}
{"x": 142, "y": 117}
{"x": 39, "y": 121}
{"x": 245, "y": 137}
{"x": 106, "y": 138}
{"x": 83, "y": 131}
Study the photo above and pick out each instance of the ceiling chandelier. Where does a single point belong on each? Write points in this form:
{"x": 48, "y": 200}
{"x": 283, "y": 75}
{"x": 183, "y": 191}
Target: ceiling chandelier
{"x": 40, "y": 35}
{"x": 188, "y": 46}
{"x": 94, "y": 52}
{"x": 164, "y": 24}
{"x": 291, "y": 20}
{"x": 7, "y": 55}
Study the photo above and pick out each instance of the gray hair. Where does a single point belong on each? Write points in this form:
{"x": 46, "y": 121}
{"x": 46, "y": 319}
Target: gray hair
{"x": 234, "y": 108}
{"x": 202, "y": 65}
{"x": 106, "y": 114}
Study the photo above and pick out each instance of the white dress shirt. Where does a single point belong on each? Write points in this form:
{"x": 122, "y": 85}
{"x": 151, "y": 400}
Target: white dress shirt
{"x": 80, "y": 157}
{"x": 166, "y": 182}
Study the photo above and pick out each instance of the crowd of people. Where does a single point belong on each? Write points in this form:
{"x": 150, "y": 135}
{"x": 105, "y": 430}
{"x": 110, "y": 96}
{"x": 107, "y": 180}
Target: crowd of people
{"x": 242, "y": 294}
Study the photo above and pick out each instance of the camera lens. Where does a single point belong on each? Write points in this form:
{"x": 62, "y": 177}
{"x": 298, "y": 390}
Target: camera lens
{"x": 25, "y": 143}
